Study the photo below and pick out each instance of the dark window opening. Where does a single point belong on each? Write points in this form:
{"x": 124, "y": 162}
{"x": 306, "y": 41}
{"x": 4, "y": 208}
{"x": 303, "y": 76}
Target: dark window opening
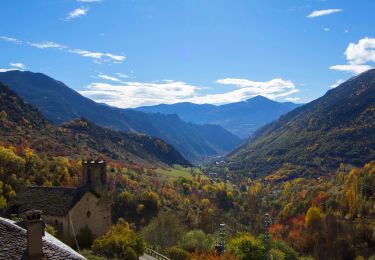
{"x": 88, "y": 176}
{"x": 102, "y": 174}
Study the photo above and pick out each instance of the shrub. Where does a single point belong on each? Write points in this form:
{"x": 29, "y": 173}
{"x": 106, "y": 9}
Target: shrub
{"x": 245, "y": 246}
{"x": 177, "y": 253}
{"x": 197, "y": 241}
{"x": 120, "y": 242}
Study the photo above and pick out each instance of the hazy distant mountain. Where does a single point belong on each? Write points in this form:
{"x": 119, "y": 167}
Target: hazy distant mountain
{"x": 22, "y": 124}
{"x": 317, "y": 137}
{"x": 241, "y": 118}
{"x": 59, "y": 104}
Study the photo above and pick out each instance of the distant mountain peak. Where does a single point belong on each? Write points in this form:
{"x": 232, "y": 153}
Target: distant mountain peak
{"x": 259, "y": 98}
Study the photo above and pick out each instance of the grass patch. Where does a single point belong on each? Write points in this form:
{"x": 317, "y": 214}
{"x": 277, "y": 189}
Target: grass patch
{"x": 177, "y": 172}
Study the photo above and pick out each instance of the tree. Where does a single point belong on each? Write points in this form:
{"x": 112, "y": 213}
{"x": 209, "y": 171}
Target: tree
{"x": 120, "y": 242}
{"x": 151, "y": 202}
{"x": 313, "y": 219}
{"x": 197, "y": 241}
{"x": 313, "y": 223}
{"x": 177, "y": 253}
{"x": 288, "y": 252}
{"x": 245, "y": 246}
{"x": 276, "y": 254}
{"x": 163, "y": 231}
{"x": 125, "y": 206}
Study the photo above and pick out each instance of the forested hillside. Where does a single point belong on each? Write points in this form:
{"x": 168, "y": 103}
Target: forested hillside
{"x": 315, "y": 138}
{"x": 59, "y": 103}
{"x": 22, "y": 125}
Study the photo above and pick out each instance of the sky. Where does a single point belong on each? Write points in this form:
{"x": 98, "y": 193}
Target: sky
{"x": 130, "y": 53}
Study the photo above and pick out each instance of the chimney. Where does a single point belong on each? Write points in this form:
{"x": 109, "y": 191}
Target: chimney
{"x": 35, "y": 232}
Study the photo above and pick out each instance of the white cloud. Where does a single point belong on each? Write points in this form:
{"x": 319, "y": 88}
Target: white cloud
{"x": 18, "y": 65}
{"x": 47, "y": 45}
{"x": 319, "y": 13}
{"x": 122, "y": 75}
{"x": 78, "y": 12}
{"x": 115, "y": 57}
{"x": 272, "y": 89}
{"x": 134, "y": 94}
{"x": 337, "y": 83}
{"x": 98, "y": 57}
{"x": 326, "y": 29}
{"x": 359, "y": 56}
{"x": 292, "y": 99}
{"x": 5, "y": 70}
{"x": 361, "y": 52}
{"x": 11, "y": 39}
{"x": 356, "y": 69}
{"x": 106, "y": 77}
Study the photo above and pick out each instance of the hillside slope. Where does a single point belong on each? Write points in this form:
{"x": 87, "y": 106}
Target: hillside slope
{"x": 240, "y": 118}
{"x": 22, "y": 124}
{"x": 317, "y": 137}
{"x": 59, "y": 104}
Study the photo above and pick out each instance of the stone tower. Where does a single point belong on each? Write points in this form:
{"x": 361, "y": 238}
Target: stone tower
{"x": 94, "y": 176}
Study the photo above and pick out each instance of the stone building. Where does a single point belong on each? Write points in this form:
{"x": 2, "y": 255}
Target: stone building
{"x": 71, "y": 210}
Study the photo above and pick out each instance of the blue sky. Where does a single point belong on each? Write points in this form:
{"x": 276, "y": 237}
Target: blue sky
{"x": 129, "y": 53}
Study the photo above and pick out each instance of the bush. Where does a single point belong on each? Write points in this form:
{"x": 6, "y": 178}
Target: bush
{"x": 276, "y": 254}
{"x": 245, "y": 247}
{"x": 177, "y": 253}
{"x": 197, "y": 241}
{"x": 290, "y": 253}
{"x": 164, "y": 231}
{"x": 120, "y": 242}
{"x": 51, "y": 230}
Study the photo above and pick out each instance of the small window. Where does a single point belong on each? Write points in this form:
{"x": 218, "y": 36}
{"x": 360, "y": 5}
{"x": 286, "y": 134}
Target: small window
{"x": 88, "y": 214}
{"x": 88, "y": 176}
{"x": 102, "y": 175}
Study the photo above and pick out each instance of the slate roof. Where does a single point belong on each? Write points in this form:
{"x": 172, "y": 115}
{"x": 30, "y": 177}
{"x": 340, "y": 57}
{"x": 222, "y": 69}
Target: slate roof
{"x": 13, "y": 244}
{"x": 53, "y": 201}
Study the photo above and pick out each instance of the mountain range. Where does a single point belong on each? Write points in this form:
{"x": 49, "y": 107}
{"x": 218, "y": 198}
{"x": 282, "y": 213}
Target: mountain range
{"x": 23, "y": 125}
{"x": 315, "y": 138}
{"x": 240, "y": 118}
{"x": 59, "y": 103}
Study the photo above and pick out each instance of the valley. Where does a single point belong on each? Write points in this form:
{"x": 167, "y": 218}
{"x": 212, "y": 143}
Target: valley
{"x": 311, "y": 171}
{"x": 187, "y": 130}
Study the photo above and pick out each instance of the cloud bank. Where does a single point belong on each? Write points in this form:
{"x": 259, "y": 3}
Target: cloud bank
{"x": 135, "y": 94}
